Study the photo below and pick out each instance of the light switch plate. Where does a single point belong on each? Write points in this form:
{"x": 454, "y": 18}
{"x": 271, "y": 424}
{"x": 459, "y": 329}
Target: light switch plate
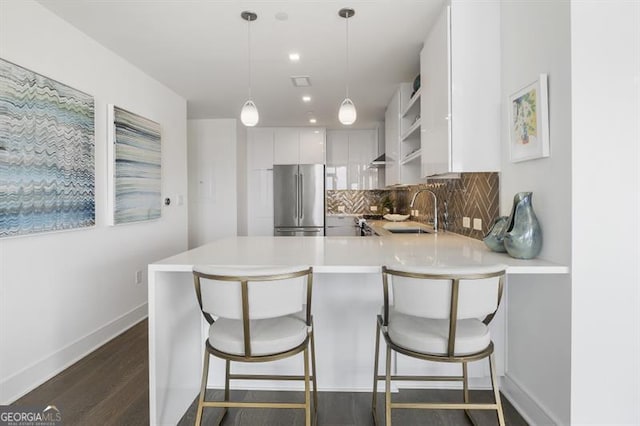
{"x": 477, "y": 224}
{"x": 466, "y": 222}
{"x": 373, "y": 208}
{"x": 341, "y": 208}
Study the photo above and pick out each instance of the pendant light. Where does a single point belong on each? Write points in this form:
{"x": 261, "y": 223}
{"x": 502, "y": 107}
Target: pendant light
{"x": 347, "y": 113}
{"x": 249, "y": 114}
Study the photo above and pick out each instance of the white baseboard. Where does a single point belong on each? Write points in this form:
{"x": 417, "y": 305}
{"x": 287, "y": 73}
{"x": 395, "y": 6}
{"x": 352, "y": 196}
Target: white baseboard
{"x": 32, "y": 376}
{"x": 526, "y": 405}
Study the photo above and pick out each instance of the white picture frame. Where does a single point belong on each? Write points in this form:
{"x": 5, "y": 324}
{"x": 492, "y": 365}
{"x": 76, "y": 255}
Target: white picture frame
{"x": 529, "y": 121}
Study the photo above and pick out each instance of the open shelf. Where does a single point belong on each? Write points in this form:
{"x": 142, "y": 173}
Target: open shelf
{"x": 415, "y": 155}
{"x": 414, "y": 101}
{"x": 413, "y": 131}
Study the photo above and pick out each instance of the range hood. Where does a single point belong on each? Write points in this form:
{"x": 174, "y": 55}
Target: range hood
{"x": 378, "y": 162}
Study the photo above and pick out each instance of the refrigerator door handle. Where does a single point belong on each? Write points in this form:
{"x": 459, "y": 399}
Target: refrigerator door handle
{"x": 297, "y": 195}
{"x": 300, "y": 196}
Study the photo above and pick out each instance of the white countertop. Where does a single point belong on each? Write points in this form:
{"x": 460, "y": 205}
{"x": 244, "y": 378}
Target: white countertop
{"x": 352, "y": 254}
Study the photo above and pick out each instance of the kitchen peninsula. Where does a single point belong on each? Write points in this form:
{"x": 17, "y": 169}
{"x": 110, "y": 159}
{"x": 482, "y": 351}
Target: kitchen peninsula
{"x": 347, "y": 295}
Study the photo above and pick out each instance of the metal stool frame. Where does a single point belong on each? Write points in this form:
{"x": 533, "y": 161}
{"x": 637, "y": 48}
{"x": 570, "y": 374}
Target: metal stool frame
{"x": 248, "y": 357}
{"x": 381, "y": 326}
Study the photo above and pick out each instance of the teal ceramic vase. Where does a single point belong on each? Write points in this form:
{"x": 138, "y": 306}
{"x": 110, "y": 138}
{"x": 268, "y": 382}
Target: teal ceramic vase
{"x": 523, "y": 237}
{"x": 495, "y": 237}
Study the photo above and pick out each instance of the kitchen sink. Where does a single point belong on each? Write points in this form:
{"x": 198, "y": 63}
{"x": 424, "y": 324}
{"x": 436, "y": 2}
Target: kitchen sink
{"x": 408, "y": 231}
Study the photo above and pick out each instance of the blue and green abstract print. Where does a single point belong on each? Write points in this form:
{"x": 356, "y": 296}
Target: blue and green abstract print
{"x": 47, "y": 166}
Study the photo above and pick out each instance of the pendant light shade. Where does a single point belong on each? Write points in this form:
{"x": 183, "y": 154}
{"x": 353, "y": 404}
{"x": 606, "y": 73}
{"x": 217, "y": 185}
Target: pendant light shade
{"x": 347, "y": 113}
{"x": 249, "y": 113}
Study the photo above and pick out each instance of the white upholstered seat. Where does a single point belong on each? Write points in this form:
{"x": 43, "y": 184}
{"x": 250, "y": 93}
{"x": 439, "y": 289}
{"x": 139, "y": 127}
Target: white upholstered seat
{"x": 268, "y": 336}
{"x": 431, "y": 336}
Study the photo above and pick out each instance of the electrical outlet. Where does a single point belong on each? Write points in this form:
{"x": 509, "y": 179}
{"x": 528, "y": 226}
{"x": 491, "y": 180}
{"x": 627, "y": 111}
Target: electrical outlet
{"x": 341, "y": 209}
{"x": 373, "y": 208}
{"x": 466, "y": 222}
{"x": 138, "y": 277}
{"x": 477, "y": 224}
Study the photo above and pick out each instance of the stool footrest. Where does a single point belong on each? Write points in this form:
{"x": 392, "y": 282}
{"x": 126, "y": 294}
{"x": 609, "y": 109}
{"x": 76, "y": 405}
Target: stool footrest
{"x": 444, "y": 406}
{"x": 229, "y": 404}
{"x": 265, "y": 377}
{"x": 424, "y": 378}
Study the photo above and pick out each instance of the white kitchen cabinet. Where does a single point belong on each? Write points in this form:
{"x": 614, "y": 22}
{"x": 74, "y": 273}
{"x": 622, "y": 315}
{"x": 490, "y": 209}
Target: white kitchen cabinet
{"x": 259, "y": 148}
{"x": 312, "y": 146}
{"x": 460, "y": 102}
{"x": 260, "y": 153}
{"x": 260, "y": 202}
{"x": 293, "y": 145}
{"x": 337, "y": 159}
{"x": 286, "y": 146}
{"x": 349, "y": 156}
{"x": 337, "y": 147}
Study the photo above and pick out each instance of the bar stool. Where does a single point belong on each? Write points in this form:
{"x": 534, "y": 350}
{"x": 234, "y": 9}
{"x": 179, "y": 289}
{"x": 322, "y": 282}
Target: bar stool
{"x": 256, "y": 315}
{"x": 442, "y": 315}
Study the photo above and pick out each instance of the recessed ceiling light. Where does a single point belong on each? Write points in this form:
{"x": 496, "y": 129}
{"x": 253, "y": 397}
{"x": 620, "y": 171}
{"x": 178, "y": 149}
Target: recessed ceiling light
{"x": 306, "y": 98}
{"x": 294, "y": 57}
{"x": 313, "y": 121}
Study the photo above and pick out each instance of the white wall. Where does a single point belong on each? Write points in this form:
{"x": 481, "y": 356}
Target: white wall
{"x": 605, "y": 360}
{"x": 63, "y": 294}
{"x": 536, "y": 39}
{"x": 241, "y": 176}
{"x": 213, "y": 199}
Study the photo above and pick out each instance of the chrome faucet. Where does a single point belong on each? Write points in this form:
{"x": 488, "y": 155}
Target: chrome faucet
{"x": 435, "y": 206}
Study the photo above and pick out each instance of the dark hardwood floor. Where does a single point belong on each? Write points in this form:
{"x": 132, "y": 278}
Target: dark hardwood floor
{"x": 110, "y": 387}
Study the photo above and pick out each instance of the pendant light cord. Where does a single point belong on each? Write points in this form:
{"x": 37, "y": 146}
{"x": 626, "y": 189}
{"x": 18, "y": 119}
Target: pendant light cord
{"x": 347, "y": 54}
{"x": 249, "y": 56}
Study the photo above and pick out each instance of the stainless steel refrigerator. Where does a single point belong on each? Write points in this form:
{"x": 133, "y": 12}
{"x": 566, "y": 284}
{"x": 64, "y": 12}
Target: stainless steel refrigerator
{"x": 298, "y": 200}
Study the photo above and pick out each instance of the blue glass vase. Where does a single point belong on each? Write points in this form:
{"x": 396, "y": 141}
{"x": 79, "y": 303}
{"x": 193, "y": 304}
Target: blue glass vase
{"x": 495, "y": 237}
{"x": 523, "y": 239}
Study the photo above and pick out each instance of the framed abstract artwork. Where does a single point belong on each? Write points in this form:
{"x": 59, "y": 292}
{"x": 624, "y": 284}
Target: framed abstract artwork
{"x": 529, "y": 122}
{"x": 47, "y": 154}
{"x": 135, "y": 172}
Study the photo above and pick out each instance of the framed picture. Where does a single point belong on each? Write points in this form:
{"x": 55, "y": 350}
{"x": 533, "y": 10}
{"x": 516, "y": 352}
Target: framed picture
{"x": 47, "y": 154}
{"x": 529, "y": 122}
{"x": 135, "y": 174}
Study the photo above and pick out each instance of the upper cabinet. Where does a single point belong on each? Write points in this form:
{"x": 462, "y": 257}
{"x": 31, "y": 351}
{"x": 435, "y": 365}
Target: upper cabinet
{"x": 294, "y": 145}
{"x": 402, "y": 136}
{"x": 349, "y": 156}
{"x": 392, "y": 140}
{"x": 460, "y": 96}
{"x": 259, "y": 148}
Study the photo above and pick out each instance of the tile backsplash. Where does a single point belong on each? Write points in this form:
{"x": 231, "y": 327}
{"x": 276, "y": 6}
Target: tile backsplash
{"x": 354, "y": 202}
{"x": 473, "y": 195}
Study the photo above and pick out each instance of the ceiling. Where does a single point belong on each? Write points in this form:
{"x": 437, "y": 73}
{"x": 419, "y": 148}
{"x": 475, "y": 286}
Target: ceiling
{"x": 199, "y": 49}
